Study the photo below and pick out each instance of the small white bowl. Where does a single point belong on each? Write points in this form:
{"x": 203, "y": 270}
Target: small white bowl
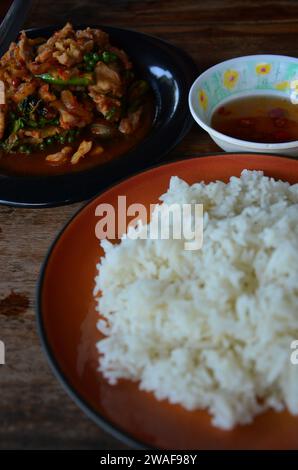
{"x": 272, "y": 75}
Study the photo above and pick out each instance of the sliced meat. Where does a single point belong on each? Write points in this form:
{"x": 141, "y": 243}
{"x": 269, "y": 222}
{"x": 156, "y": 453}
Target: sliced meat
{"x": 122, "y": 56}
{"x": 97, "y": 150}
{"x": 82, "y": 112}
{"x": 130, "y": 123}
{"x": 45, "y": 94}
{"x": 47, "y": 131}
{"x": 109, "y": 107}
{"x": 83, "y": 149}
{"x": 98, "y": 37}
{"x": 25, "y": 48}
{"x": 108, "y": 81}
{"x": 68, "y": 52}
{"x": 60, "y": 157}
{"x": 23, "y": 90}
{"x": 35, "y": 136}
{"x": 68, "y": 47}
{"x": 66, "y": 31}
{"x": 72, "y": 113}
{"x": 67, "y": 120}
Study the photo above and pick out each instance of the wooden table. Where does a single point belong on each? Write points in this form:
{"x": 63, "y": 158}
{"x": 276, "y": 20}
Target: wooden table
{"x": 34, "y": 410}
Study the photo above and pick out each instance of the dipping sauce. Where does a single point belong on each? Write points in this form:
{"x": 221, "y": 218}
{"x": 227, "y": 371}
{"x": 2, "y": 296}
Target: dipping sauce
{"x": 261, "y": 119}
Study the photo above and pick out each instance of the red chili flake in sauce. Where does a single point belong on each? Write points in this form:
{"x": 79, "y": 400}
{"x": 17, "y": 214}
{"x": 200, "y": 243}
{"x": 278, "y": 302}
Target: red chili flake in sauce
{"x": 15, "y": 82}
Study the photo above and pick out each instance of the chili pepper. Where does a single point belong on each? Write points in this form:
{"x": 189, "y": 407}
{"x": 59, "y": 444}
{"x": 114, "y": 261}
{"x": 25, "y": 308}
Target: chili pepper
{"x": 83, "y": 80}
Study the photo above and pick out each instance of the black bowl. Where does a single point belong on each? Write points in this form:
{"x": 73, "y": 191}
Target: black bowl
{"x": 170, "y": 73}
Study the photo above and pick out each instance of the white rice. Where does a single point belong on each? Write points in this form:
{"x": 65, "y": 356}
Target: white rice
{"x": 209, "y": 329}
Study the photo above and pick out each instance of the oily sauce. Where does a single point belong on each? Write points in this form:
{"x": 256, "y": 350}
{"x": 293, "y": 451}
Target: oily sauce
{"x": 36, "y": 164}
{"x": 261, "y": 119}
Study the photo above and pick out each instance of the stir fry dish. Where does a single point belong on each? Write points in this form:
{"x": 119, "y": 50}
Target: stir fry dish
{"x": 69, "y": 99}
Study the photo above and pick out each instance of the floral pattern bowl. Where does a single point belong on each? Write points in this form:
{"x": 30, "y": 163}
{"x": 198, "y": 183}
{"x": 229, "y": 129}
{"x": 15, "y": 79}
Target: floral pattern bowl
{"x": 244, "y": 76}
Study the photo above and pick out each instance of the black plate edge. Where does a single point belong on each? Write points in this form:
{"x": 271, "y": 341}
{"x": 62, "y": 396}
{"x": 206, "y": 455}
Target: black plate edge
{"x": 187, "y": 125}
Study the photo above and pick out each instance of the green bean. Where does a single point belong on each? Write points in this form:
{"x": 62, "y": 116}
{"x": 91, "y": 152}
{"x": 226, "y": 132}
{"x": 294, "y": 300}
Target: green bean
{"x": 108, "y": 57}
{"x": 62, "y": 139}
{"x": 95, "y": 57}
{"x": 87, "y": 57}
{"x": 83, "y": 80}
{"x": 49, "y": 140}
{"x": 111, "y": 113}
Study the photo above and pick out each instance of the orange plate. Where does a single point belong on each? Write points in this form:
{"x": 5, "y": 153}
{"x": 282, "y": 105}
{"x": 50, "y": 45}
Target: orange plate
{"x": 67, "y": 324}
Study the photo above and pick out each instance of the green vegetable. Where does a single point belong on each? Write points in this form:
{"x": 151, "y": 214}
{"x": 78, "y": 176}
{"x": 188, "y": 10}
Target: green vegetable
{"x": 17, "y": 125}
{"x": 111, "y": 113}
{"x": 29, "y": 105}
{"x": 87, "y": 57}
{"x": 95, "y": 57}
{"x": 49, "y": 140}
{"x": 48, "y": 122}
{"x": 10, "y": 143}
{"x": 62, "y": 139}
{"x": 108, "y": 57}
{"x": 31, "y": 123}
{"x": 71, "y": 139}
{"x": 83, "y": 80}
{"x": 25, "y": 148}
{"x": 41, "y": 146}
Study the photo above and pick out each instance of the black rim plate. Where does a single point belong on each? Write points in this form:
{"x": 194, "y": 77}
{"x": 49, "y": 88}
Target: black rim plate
{"x": 170, "y": 73}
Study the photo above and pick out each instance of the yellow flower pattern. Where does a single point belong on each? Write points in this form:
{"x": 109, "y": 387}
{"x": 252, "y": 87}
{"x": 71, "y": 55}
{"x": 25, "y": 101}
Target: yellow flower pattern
{"x": 282, "y": 86}
{"x": 263, "y": 69}
{"x": 203, "y": 99}
{"x": 230, "y": 78}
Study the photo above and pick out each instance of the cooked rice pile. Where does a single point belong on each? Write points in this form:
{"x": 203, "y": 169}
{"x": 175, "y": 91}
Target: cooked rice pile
{"x": 209, "y": 329}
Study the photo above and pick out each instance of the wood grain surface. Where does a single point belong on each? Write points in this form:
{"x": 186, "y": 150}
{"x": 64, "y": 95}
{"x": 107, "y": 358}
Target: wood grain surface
{"x": 35, "y": 413}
